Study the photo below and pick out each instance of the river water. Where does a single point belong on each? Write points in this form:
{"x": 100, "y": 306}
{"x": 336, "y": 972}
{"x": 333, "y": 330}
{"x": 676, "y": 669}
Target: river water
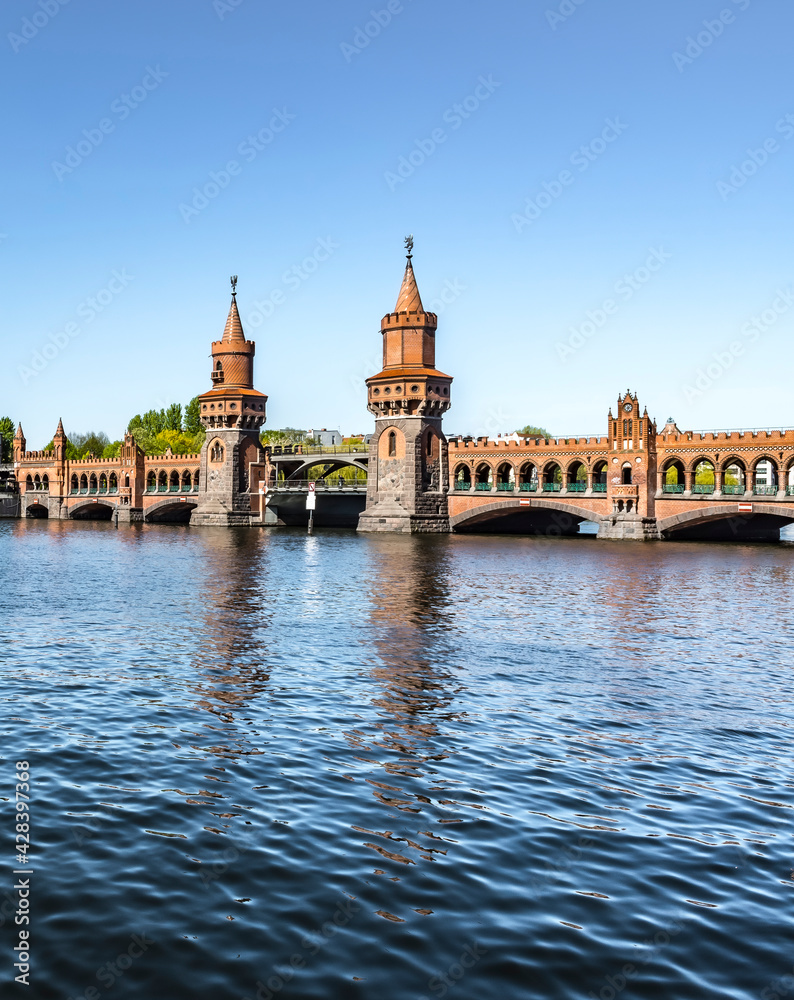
{"x": 265, "y": 764}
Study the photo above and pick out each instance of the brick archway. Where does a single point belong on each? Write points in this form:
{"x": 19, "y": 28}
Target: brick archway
{"x": 494, "y": 510}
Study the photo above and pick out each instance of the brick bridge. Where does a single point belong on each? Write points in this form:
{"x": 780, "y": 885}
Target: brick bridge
{"x": 634, "y": 482}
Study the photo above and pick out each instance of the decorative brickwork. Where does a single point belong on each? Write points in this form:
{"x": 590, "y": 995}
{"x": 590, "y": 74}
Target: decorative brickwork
{"x": 408, "y": 467}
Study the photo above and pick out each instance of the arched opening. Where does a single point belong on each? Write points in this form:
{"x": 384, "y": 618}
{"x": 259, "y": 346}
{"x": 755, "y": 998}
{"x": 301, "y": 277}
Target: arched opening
{"x": 484, "y": 477}
{"x": 392, "y": 444}
{"x": 186, "y": 481}
{"x": 673, "y": 478}
{"x": 552, "y": 478}
{"x": 113, "y": 483}
{"x": 96, "y": 511}
{"x": 174, "y": 481}
{"x": 789, "y": 480}
{"x": 577, "y": 477}
{"x": 103, "y": 483}
{"x": 37, "y": 510}
{"x": 196, "y": 481}
{"x": 734, "y": 477}
{"x": 74, "y": 483}
{"x": 625, "y": 474}
{"x": 151, "y": 482}
{"x": 505, "y": 477}
{"x": 45, "y": 482}
{"x": 92, "y": 483}
{"x": 37, "y": 482}
{"x": 216, "y": 452}
{"x": 528, "y": 477}
{"x": 600, "y": 476}
{"x": 703, "y": 479}
{"x": 765, "y": 477}
{"x": 462, "y": 477}
{"x": 29, "y": 483}
{"x": 162, "y": 482}
{"x": 84, "y": 483}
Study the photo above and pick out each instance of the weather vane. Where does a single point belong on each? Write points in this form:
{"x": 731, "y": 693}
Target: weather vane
{"x": 234, "y": 284}
{"x": 409, "y": 245}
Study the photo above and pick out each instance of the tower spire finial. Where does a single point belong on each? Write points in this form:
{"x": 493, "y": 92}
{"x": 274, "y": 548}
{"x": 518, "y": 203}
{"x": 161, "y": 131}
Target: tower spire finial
{"x": 409, "y": 246}
{"x": 233, "y": 280}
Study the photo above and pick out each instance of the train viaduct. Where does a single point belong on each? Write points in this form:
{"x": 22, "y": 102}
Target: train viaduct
{"x": 636, "y": 482}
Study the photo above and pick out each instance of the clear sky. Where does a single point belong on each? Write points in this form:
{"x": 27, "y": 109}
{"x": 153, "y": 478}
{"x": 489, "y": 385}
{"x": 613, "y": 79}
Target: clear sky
{"x": 625, "y": 165}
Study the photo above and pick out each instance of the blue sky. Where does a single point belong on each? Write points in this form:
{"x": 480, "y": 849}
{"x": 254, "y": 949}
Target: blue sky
{"x": 599, "y": 193}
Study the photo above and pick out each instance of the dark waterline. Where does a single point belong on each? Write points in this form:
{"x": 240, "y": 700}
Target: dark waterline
{"x": 352, "y": 766}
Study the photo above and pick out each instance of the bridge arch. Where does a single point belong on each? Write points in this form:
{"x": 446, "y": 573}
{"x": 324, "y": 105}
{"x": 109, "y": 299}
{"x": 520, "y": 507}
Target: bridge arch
{"x": 170, "y": 511}
{"x": 37, "y": 510}
{"x": 549, "y": 518}
{"x": 724, "y": 522}
{"x": 92, "y": 510}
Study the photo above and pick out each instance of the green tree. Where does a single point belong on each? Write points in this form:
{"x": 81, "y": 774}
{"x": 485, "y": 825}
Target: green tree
{"x": 6, "y": 439}
{"x": 173, "y": 417}
{"x": 193, "y": 423}
{"x": 531, "y": 431}
{"x": 287, "y": 435}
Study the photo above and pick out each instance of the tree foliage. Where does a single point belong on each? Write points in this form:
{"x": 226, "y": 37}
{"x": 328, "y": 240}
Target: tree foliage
{"x": 193, "y": 423}
{"x": 531, "y": 431}
{"x": 287, "y": 435}
{"x": 6, "y": 439}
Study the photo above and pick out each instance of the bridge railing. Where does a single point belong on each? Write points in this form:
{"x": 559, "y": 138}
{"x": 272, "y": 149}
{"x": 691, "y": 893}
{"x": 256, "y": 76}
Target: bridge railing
{"x": 279, "y": 451}
{"x": 330, "y": 485}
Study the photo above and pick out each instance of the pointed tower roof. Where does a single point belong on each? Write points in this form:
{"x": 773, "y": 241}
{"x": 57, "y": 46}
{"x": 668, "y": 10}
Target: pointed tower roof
{"x": 20, "y": 433}
{"x": 60, "y": 433}
{"x": 409, "y": 299}
{"x": 233, "y": 331}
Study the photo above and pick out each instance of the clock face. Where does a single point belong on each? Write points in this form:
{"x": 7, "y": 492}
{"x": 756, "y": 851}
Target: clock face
{"x": 627, "y": 407}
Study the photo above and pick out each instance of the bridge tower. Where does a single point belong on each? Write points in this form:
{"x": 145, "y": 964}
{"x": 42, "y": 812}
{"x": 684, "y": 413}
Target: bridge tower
{"x": 631, "y": 475}
{"x": 408, "y": 473}
{"x": 232, "y": 412}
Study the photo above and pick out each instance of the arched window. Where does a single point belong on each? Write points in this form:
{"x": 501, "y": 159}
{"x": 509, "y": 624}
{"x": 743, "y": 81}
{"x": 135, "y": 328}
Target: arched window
{"x": 162, "y": 482}
{"x": 186, "y": 481}
{"x": 484, "y": 477}
{"x": 174, "y": 482}
{"x": 45, "y": 482}
{"x": 196, "y": 480}
{"x": 552, "y": 478}
{"x": 505, "y": 477}
{"x": 74, "y": 484}
{"x": 528, "y": 477}
{"x": 29, "y": 483}
{"x": 113, "y": 483}
{"x": 216, "y": 452}
{"x": 577, "y": 477}
{"x": 463, "y": 477}
{"x": 103, "y": 483}
{"x": 626, "y": 474}
{"x": 673, "y": 479}
{"x": 151, "y": 482}
{"x": 600, "y": 477}
{"x": 37, "y": 482}
{"x": 84, "y": 483}
{"x": 392, "y": 444}
{"x": 92, "y": 484}
{"x": 734, "y": 477}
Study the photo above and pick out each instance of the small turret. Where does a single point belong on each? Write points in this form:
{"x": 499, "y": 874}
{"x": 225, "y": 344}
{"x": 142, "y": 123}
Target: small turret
{"x": 20, "y": 444}
{"x": 59, "y": 443}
